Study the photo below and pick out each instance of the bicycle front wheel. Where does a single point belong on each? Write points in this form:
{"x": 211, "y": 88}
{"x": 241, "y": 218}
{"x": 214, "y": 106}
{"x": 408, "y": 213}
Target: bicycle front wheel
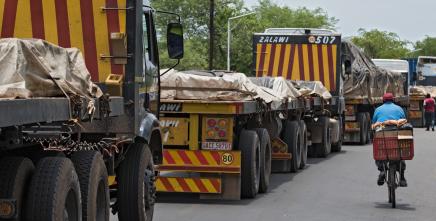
{"x": 392, "y": 184}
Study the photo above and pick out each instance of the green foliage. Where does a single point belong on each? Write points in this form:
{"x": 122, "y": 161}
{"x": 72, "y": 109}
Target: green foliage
{"x": 426, "y": 47}
{"x": 195, "y": 18}
{"x": 381, "y": 44}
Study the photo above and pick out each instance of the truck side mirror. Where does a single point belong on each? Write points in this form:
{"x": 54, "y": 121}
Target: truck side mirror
{"x": 175, "y": 40}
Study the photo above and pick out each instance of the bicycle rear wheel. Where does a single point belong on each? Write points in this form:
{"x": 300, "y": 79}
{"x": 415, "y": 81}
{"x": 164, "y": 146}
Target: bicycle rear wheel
{"x": 392, "y": 184}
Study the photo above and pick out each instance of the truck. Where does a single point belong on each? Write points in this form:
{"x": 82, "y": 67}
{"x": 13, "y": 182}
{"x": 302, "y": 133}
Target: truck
{"x": 365, "y": 83}
{"x": 221, "y": 146}
{"x": 307, "y": 55}
{"x": 222, "y": 141}
{"x": 71, "y": 157}
{"x": 423, "y": 82}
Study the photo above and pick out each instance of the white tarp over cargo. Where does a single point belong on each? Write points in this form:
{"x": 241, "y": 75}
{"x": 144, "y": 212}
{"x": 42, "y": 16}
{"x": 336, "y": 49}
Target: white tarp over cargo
{"x": 422, "y": 90}
{"x": 36, "y": 68}
{"x": 222, "y": 86}
{"x": 196, "y": 85}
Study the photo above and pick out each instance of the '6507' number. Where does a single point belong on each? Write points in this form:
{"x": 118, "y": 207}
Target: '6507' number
{"x": 323, "y": 39}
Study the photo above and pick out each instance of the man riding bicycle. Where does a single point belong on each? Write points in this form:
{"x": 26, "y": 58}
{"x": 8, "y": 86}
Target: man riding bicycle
{"x": 389, "y": 111}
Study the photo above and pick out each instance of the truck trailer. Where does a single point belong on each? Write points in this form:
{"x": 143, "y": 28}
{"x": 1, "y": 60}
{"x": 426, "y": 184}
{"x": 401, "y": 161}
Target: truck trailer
{"x": 223, "y": 135}
{"x": 73, "y": 157}
{"x": 365, "y": 83}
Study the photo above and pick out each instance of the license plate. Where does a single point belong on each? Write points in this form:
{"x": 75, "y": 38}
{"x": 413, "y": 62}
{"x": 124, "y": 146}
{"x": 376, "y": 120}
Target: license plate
{"x": 216, "y": 146}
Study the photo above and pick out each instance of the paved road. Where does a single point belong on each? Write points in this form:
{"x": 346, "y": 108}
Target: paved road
{"x": 341, "y": 187}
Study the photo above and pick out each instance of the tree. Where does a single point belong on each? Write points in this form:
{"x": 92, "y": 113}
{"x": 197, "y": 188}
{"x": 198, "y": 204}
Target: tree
{"x": 195, "y": 18}
{"x": 381, "y": 44}
{"x": 425, "y": 47}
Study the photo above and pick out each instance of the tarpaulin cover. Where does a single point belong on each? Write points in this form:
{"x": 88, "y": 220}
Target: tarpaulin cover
{"x": 422, "y": 91}
{"x": 222, "y": 86}
{"x": 36, "y": 68}
{"x": 195, "y": 85}
{"x": 366, "y": 80}
{"x": 293, "y": 89}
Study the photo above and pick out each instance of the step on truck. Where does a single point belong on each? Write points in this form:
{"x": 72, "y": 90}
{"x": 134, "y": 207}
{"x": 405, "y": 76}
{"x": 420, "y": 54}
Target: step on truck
{"x": 59, "y": 158}
{"x": 307, "y": 55}
{"x": 364, "y": 85}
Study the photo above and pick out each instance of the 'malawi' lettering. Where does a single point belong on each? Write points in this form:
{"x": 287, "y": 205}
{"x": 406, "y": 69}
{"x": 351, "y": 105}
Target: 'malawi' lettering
{"x": 273, "y": 39}
{"x": 171, "y": 107}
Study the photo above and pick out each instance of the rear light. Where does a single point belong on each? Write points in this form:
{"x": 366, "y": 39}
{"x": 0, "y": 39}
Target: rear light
{"x": 349, "y": 110}
{"x": 211, "y": 122}
{"x": 216, "y": 128}
{"x": 222, "y": 134}
{"x": 210, "y": 133}
{"x": 222, "y": 123}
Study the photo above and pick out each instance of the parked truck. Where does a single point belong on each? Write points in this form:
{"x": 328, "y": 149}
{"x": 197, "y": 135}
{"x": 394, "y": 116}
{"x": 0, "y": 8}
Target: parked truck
{"x": 72, "y": 157}
{"x": 365, "y": 83}
{"x": 222, "y": 138}
{"x": 423, "y": 82}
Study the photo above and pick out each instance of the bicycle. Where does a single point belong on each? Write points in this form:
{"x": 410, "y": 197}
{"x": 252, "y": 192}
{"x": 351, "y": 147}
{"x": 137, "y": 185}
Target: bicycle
{"x": 391, "y": 178}
{"x": 391, "y": 147}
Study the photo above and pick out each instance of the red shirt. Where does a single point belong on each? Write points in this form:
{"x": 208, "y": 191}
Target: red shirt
{"x": 429, "y": 105}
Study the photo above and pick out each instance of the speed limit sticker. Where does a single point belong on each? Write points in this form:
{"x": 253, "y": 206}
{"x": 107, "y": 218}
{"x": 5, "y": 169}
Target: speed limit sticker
{"x": 227, "y": 158}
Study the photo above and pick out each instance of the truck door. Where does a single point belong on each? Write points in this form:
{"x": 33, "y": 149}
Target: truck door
{"x": 150, "y": 88}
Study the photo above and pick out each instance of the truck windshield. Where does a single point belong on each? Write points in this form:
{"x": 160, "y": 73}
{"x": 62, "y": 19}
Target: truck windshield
{"x": 427, "y": 66}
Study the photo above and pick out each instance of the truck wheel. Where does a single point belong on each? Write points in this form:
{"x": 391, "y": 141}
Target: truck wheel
{"x": 369, "y": 132}
{"x": 54, "y": 191}
{"x": 303, "y": 143}
{"x": 292, "y": 138}
{"x": 94, "y": 187}
{"x": 323, "y": 149}
{"x": 250, "y": 163}
{"x": 337, "y": 147}
{"x": 136, "y": 188}
{"x": 361, "y": 117}
{"x": 15, "y": 175}
{"x": 265, "y": 159}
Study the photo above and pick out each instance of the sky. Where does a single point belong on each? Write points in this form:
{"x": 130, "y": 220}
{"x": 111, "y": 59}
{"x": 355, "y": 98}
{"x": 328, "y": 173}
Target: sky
{"x": 411, "y": 19}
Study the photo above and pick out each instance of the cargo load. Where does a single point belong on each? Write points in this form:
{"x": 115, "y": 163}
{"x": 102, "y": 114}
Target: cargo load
{"x": 227, "y": 86}
{"x": 37, "y": 68}
{"x": 418, "y": 90}
{"x": 365, "y": 79}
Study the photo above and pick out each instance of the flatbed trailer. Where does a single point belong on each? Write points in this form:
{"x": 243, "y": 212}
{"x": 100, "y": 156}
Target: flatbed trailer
{"x": 227, "y": 149}
{"x": 45, "y": 110}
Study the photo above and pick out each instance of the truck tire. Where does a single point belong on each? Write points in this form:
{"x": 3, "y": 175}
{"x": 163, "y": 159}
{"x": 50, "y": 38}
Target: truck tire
{"x": 337, "y": 147}
{"x": 136, "y": 188}
{"x": 369, "y": 134}
{"x": 303, "y": 143}
{"x": 363, "y": 122}
{"x": 250, "y": 163}
{"x": 94, "y": 188}
{"x": 15, "y": 175}
{"x": 265, "y": 159}
{"x": 292, "y": 138}
{"x": 54, "y": 191}
{"x": 323, "y": 149}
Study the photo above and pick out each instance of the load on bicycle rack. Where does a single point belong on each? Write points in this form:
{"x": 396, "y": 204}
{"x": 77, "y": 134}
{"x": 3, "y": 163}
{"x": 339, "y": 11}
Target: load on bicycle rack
{"x": 392, "y": 145}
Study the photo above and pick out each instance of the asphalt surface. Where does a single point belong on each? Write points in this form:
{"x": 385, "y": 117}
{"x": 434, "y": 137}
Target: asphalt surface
{"x": 340, "y": 187}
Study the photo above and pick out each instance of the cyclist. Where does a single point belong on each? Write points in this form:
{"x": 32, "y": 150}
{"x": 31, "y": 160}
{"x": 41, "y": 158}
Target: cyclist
{"x": 389, "y": 111}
